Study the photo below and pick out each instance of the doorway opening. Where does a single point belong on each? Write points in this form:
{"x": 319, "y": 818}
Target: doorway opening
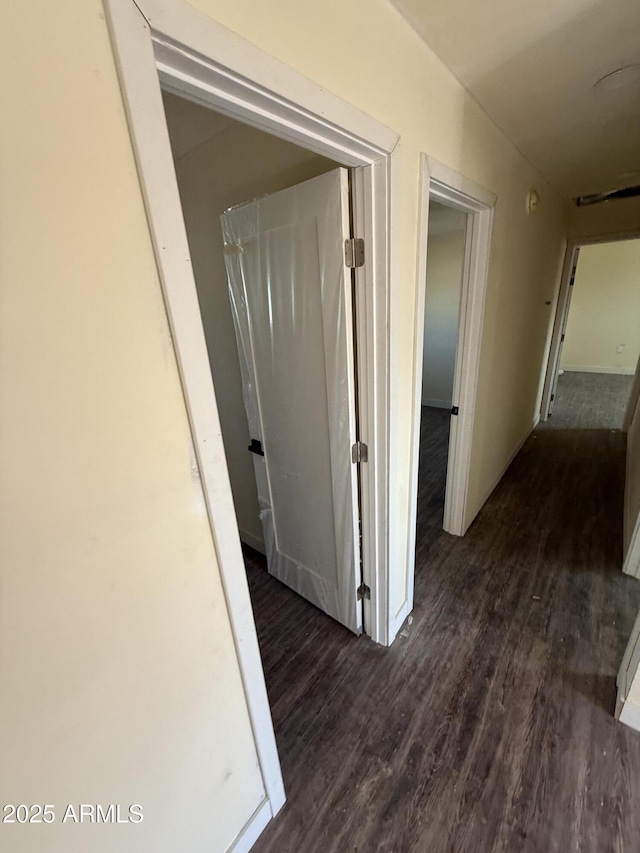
{"x": 267, "y": 223}
{"x": 596, "y": 338}
{"x": 446, "y": 252}
{"x": 454, "y": 242}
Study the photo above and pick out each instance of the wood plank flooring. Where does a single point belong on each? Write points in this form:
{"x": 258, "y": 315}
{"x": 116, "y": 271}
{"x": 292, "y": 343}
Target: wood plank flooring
{"x": 488, "y": 725}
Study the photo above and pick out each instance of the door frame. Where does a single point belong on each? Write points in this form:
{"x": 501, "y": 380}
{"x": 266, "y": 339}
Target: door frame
{"x": 441, "y": 183}
{"x": 563, "y": 304}
{"x": 634, "y": 396}
{"x": 170, "y": 42}
{"x": 567, "y": 279}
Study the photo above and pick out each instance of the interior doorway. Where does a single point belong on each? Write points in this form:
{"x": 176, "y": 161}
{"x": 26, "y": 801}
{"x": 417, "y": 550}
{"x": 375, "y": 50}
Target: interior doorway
{"x": 454, "y": 243}
{"x": 447, "y": 236}
{"x": 595, "y": 344}
{"x": 267, "y": 223}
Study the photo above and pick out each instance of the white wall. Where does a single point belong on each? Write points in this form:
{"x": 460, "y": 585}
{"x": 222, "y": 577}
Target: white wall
{"x": 605, "y": 309}
{"x": 445, "y": 266}
{"x": 120, "y": 681}
{"x": 236, "y": 165}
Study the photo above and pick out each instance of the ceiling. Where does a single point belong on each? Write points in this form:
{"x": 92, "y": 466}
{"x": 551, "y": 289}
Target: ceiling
{"x": 532, "y": 67}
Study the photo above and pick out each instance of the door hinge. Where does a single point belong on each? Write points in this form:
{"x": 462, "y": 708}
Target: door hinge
{"x": 561, "y": 338}
{"x": 455, "y": 410}
{"x": 354, "y": 252}
{"x": 553, "y": 397}
{"x": 256, "y": 447}
{"x": 364, "y": 591}
{"x": 359, "y": 452}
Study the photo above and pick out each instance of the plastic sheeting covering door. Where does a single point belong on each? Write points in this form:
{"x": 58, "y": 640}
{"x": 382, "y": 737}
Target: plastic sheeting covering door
{"x": 291, "y": 300}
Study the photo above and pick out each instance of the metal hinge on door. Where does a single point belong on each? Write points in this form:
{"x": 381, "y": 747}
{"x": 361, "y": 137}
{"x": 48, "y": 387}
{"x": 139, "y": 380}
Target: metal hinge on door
{"x": 363, "y": 591}
{"x": 354, "y": 252}
{"x": 359, "y": 452}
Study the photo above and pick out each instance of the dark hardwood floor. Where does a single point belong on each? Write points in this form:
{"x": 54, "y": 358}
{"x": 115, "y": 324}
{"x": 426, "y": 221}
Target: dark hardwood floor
{"x": 488, "y": 725}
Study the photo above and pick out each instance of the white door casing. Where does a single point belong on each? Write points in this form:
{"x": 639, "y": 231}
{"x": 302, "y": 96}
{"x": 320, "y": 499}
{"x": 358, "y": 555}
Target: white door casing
{"x": 559, "y": 330}
{"x": 290, "y": 294}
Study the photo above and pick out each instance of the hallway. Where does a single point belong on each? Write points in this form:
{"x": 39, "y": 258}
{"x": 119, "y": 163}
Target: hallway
{"x": 488, "y": 724}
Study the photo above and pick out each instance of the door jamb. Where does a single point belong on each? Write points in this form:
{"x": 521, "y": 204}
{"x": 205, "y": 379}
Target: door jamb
{"x": 442, "y": 183}
{"x": 559, "y": 326}
{"x": 193, "y": 56}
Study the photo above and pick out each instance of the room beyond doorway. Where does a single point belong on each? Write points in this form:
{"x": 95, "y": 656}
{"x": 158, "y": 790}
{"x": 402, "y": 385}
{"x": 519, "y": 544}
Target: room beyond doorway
{"x": 446, "y": 254}
{"x": 596, "y": 327}
{"x": 455, "y": 241}
{"x": 267, "y": 222}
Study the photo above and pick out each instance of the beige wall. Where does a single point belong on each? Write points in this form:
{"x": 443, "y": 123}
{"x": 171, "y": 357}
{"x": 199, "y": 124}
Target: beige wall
{"x": 119, "y": 677}
{"x": 236, "y": 165}
{"x": 120, "y": 682}
{"x": 445, "y": 264}
{"x": 605, "y": 309}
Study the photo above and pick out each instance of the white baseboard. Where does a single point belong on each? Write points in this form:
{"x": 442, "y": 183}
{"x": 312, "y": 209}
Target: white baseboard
{"x": 252, "y": 541}
{"x": 437, "y": 404}
{"x": 252, "y": 829}
{"x": 500, "y": 475}
{"x": 617, "y": 371}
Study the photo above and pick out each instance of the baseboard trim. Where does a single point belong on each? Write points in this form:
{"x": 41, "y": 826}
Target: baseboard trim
{"x": 251, "y": 831}
{"x": 489, "y": 491}
{"x": 252, "y": 541}
{"x": 616, "y": 371}
{"x": 437, "y": 404}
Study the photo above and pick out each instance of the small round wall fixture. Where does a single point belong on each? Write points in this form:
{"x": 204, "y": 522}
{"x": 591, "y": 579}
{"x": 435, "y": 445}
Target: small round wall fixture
{"x": 628, "y": 75}
{"x": 533, "y": 200}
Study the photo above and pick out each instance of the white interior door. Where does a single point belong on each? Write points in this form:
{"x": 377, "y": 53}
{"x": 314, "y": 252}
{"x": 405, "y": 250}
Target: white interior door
{"x": 291, "y": 299}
